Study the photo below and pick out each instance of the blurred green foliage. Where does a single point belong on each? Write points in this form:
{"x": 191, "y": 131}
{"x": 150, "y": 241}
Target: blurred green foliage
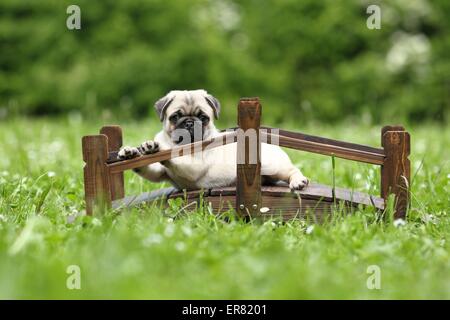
{"x": 306, "y": 59}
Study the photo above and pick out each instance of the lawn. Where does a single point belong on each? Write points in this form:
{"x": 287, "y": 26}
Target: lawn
{"x": 144, "y": 253}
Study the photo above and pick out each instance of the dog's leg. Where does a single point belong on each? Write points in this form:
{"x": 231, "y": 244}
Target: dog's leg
{"x": 277, "y": 166}
{"x": 292, "y": 175}
{"x": 149, "y": 147}
{"x": 297, "y": 181}
{"x": 127, "y": 153}
{"x": 155, "y": 172}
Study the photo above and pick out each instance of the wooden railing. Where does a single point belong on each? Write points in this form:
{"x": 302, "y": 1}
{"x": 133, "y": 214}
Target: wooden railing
{"x": 349, "y": 153}
{"x": 116, "y": 165}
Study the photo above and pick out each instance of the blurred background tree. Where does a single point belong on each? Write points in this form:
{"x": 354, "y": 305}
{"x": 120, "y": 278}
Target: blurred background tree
{"x": 306, "y": 59}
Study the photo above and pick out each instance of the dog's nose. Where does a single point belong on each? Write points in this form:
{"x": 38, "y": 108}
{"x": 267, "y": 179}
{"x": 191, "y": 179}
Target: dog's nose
{"x": 189, "y": 124}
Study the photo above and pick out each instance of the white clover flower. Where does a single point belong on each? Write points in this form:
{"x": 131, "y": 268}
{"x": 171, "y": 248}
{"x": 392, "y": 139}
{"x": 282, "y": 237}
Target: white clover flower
{"x": 264, "y": 210}
{"x": 170, "y": 220}
{"x": 51, "y": 174}
{"x": 310, "y": 229}
{"x": 399, "y": 223}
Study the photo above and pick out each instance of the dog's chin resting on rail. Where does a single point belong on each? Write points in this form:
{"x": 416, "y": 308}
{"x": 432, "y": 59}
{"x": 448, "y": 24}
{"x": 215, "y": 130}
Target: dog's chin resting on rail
{"x": 188, "y": 116}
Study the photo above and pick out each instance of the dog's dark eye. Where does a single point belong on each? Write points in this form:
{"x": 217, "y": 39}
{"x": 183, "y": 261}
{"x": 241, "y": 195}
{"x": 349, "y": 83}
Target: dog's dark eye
{"x": 203, "y": 118}
{"x": 175, "y": 117}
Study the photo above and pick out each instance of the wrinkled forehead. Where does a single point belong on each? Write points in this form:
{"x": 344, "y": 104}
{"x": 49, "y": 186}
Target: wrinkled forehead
{"x": 189, "y": 103}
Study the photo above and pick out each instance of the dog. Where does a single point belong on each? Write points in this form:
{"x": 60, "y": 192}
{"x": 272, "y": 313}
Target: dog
{"x": 188, "y": 116}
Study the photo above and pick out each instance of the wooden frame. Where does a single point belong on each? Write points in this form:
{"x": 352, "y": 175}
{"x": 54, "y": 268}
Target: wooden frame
{"x": 104, "y": 180}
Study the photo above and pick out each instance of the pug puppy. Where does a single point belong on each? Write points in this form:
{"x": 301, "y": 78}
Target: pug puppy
{"x": 188, "y": 116}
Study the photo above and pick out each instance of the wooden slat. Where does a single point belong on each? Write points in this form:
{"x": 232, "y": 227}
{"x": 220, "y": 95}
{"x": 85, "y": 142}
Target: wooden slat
{"x": 115, "y": 141}
{"x": 223, "y": 191}
{"x": 314, "y": 191}
{"x": 180, "y": 151}
{"x": 327, "y": 141}
{"x": 284, "y": 208}
{"x": 220, "y": 204}
{"x": 385, "y": 129}
{"x": 96, "y": 176}
{"x": 248, "y": 180}
{"x": 325, "y": 149}
{"x": 316, "y": 199}
{"x": 331, "y": 142}
{"x": 191, "y": 194}
{"x": 290, "y": 208}
{"x": 395, "y": 173}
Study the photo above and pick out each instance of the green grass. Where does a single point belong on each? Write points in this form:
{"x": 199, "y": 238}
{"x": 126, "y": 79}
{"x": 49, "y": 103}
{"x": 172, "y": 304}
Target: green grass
{"x": 145, "y": 254}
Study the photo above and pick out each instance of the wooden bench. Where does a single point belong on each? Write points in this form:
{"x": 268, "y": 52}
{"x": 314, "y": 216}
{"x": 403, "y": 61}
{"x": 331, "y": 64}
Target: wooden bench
{"x": 104, "y": 178}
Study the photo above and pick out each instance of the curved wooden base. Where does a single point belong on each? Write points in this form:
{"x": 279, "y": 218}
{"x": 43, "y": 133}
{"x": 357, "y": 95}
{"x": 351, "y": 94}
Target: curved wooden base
{"x": 316, "y": 200}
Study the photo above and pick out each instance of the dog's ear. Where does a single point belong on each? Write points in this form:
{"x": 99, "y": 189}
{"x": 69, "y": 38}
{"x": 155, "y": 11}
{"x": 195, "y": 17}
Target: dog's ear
{"x": 161, "y": 106}
{"x": 213, "y": 103}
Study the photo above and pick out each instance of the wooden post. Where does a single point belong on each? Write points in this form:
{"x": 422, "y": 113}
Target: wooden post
{"x": 395, "y": 172}
{"x": 115, "y": 141}
{"x": 96, "y": 174}
{"x": 248, "y": 183}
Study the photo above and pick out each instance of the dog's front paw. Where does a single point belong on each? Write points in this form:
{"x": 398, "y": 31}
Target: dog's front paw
{"x": 149, "y": 147}
{"x": 298, "y": 182}
{"x": 127, "y": 153}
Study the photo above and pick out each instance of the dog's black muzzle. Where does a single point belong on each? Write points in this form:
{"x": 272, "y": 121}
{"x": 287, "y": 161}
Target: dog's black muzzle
{"x": 188, "y": 130}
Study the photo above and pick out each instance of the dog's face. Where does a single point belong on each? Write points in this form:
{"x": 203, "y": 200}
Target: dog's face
{"x": 188, "y": 116}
